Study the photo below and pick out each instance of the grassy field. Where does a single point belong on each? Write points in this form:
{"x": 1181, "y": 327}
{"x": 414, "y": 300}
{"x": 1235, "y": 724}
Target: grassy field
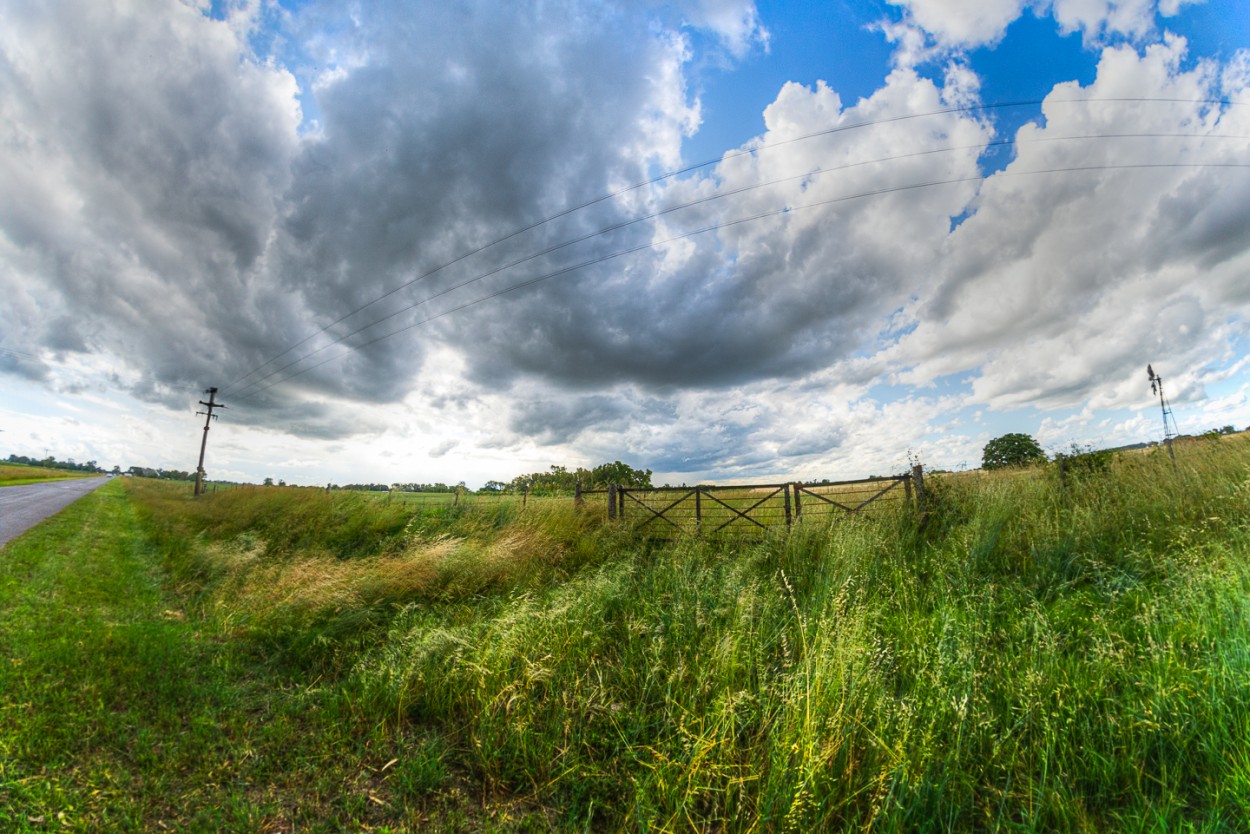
{"x": 1031, "y": 656}
{"x": 14, "y": 474}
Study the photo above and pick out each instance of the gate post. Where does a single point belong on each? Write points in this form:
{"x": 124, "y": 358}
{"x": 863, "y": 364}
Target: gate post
{"x": 698, "y": 511}
{"x": 611, "y": 502}
{"x": 786, "y": 490}
{"x": 577, "y": 494}
{"x": 917, "y": 474}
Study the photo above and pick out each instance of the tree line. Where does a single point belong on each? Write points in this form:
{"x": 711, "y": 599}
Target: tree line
{"x": 50, "y": 462}
{"x": 560, "y": 479}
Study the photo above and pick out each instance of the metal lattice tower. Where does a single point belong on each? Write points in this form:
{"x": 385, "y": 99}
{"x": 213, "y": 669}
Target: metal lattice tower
{"x": 1169, "y": 421}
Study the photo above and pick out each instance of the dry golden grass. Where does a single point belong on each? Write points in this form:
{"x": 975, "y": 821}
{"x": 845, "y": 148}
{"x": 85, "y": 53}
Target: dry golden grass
{"x": 315, "y": 587}
{"x": 10, "y": 473}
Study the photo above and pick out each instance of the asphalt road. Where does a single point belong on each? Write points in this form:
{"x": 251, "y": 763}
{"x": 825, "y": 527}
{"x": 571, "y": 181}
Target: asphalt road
{"x": 22, "y": 507}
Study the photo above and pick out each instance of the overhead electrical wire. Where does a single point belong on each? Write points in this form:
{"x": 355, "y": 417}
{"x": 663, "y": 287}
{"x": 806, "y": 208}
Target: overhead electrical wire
{"x": 258, "y": 383}
{"x": 18, "y": 352}
{"x": 727, "y": 224}
{"x": 723, "y": 158}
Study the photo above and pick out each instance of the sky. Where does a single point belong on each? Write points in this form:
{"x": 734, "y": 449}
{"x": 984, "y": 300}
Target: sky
{"x": 727, "y": 241}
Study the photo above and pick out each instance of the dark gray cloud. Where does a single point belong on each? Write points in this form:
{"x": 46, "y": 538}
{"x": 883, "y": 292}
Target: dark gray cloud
{"x": 559, "y": 421}
{"x": 26, "y": 367}
{"x": 145, "y": 154}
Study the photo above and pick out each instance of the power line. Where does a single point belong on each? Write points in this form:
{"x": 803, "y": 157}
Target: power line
{"x": 734, "y": 154}
{"x": 18, "y": 352}
{"x": 257, "y": 383}
{"x": 718, "y": 226}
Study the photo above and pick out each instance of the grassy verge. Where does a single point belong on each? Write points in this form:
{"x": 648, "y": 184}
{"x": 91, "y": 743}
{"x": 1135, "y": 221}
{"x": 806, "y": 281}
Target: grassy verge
{"x": 119, "y": 712}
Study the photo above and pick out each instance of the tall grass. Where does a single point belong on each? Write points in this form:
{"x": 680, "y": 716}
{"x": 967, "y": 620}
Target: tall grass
{"x": 1034, "y": 655}
{"x": 16, "y": 474}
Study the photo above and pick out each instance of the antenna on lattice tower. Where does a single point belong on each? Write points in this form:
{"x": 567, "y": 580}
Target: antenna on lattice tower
{"x": 1169, "y": 420}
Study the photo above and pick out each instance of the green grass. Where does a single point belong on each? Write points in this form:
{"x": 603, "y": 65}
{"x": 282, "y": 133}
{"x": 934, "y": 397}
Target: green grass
{"x": 16, "y": 474}
{"x": 120, "y": 712}
{"x": 1033, "y": 655}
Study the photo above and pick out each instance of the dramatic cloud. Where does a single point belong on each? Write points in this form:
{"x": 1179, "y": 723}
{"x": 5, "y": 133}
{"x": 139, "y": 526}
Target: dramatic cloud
{"x": 806, "y": 277}
{"x": 1062, "y": 286}
{"x": 163, "y": 202}
{"x": 143, "y": 157}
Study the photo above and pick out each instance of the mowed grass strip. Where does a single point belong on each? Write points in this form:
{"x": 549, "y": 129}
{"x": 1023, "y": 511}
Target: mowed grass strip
{"x": 119, "y": 712}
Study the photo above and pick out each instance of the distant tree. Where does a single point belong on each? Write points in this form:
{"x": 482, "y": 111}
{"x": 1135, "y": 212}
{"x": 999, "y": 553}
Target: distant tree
{"x": 559, "y": 479}
{"x": 281, "y": 483}
{"x": 493, "y": 486}
{"x": 1013, "y": 449}
{"x": 621, "y": 474}
{"x": 268, "y": 482}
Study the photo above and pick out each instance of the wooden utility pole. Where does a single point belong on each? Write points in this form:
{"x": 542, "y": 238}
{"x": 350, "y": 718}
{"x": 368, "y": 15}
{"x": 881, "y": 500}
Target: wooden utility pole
{"x": 209, "y": 417}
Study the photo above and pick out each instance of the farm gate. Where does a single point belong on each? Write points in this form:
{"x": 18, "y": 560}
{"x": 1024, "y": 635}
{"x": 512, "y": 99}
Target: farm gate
{"x": 752, "y": 509}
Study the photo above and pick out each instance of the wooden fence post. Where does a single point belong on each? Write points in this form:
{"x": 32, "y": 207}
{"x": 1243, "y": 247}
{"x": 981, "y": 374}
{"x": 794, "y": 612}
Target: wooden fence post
{"x": 917, "y": 475}
{"x": 798, "y": 502}
{"x": 620, "y": 503}
{"x": 698, "y": 511}
{"x": 786, "y": 490}
{"x": 525, "y": 496}
{"x": 611, "y": 502}
{"x": 577, "y": 494}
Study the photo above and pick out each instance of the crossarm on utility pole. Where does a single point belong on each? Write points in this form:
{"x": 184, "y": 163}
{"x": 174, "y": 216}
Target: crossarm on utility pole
{"x": 209, "y": 417}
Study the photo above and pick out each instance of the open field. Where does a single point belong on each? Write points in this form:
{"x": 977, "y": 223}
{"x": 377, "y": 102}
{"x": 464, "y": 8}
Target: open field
{"x": 1035, "y": 656}
{"x": 14, "y": 474}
